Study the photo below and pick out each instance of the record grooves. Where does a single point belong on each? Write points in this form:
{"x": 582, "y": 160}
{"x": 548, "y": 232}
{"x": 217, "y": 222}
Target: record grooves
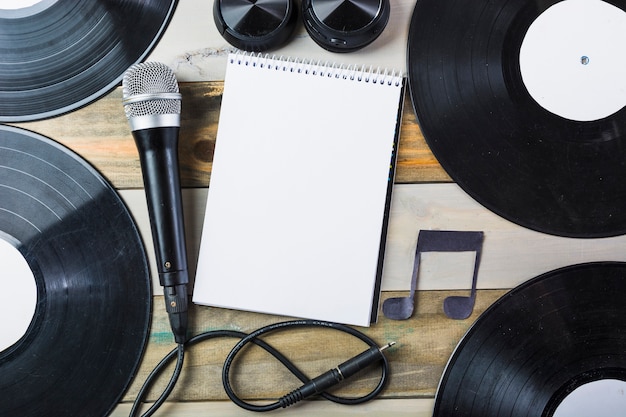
{"x": 524, "y": 163}
{"x": 60, "y": 56}
{"x": 538, "y": 343}
{"x": 92, "y": 315}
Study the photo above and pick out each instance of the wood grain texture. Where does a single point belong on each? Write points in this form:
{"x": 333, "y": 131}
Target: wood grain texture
{"x": 424, "y": 344}
{"x": 196, "y": 51}
{"x": 100, "y": 134}
{"x": 511, "y": 253}
{"x": 417, "y": 407}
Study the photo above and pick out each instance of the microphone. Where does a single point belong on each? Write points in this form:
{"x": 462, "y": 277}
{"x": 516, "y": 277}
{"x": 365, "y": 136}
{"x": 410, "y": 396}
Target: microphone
{"x": 152, "y": 105}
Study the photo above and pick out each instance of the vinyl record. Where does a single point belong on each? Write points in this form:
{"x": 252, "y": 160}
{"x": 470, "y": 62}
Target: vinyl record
{"x": 60, "y": 55}
{"x": 528, "y": 164}
{"x": 538, "y": 343}
{"x": 93, "y": 302}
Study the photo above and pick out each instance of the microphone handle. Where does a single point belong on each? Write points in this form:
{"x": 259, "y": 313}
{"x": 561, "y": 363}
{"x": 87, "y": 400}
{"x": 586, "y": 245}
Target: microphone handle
{"x": 158, "y": 154}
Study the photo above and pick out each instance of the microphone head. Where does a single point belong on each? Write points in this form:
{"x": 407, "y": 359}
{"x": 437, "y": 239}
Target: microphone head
{"x": 150, "y": 96}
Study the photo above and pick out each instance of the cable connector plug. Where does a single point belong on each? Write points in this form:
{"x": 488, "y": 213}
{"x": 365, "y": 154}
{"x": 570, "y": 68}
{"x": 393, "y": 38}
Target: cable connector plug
{"x": 334, "y": 376}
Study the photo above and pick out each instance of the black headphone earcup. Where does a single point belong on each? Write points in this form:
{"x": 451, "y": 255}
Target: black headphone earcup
{"x": 255, "y": 26}
{"x": 345, "y": 26}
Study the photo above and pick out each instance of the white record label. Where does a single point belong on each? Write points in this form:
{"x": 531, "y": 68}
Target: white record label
{"x": 602, "y": 398}
{"x": 18, "y": 299}
{"x": 17, "y": 4}
{"x": 573, "y": 59}
{"x": 14, "y": 9}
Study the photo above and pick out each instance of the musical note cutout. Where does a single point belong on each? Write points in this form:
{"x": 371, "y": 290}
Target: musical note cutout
{"x": 455, "y": 306}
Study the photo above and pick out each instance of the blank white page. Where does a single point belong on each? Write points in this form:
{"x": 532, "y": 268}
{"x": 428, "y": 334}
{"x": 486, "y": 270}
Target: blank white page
{"x": 296, "y": 200}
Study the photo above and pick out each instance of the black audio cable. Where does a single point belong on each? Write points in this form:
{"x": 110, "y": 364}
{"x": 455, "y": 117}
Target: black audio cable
{"x": 316, "y": 386}
{"x": 152, "y": 103}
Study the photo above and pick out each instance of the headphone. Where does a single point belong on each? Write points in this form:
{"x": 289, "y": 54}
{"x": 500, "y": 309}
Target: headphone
{"x": 335, "y": 25}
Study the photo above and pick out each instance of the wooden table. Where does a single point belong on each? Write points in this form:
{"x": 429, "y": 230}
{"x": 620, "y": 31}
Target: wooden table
{"x": 424, "y": 198}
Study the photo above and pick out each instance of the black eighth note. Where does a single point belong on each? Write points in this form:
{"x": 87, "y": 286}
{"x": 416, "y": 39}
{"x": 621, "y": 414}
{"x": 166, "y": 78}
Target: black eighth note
{"x": 456, "y": 307}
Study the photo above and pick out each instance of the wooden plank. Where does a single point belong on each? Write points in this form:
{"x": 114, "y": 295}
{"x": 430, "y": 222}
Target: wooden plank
{"x": 100, "y": 134}
{"x": 193, "y": 46}
{"x": 376, "y": 408}
{"x": 512, "y": 254}
{"x": 424, "y": 345}
{"x": 422, "y": 407}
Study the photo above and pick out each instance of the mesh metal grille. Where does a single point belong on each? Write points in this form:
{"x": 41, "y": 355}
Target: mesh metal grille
{"x": 150, "y": 78}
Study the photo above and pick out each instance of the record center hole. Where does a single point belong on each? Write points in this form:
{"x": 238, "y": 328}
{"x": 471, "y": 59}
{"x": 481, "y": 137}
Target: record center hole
{"x": 602, "y": 398}
{"x": 18, "y": 300}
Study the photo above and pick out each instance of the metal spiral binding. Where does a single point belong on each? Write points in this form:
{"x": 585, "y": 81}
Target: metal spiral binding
{"x": 318, "y": 68}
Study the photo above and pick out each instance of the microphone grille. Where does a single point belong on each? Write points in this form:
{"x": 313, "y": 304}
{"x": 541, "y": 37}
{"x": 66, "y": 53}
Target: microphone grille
{"x": 150, "y": 79}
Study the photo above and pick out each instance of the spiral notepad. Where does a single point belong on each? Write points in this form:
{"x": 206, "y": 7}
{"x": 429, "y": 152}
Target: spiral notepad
{"x": 300, "y": 188}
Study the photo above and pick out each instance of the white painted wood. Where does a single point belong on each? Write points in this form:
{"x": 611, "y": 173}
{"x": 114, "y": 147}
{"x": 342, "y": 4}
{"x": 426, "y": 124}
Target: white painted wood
{"x": 511, "y": 253}
{"x": 193, "y": 47}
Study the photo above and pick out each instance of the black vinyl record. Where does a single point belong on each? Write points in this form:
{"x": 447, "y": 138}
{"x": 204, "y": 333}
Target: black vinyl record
{"x": 538, "y": 343}
{"x": 526, "y": 164}
{"x": 93, "y": 308}
{"x": 57, "y": 56}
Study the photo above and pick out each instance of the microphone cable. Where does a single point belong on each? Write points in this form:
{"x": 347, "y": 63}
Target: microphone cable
{"x": 152, "y": 104}
{"x": 316, "y": 386}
